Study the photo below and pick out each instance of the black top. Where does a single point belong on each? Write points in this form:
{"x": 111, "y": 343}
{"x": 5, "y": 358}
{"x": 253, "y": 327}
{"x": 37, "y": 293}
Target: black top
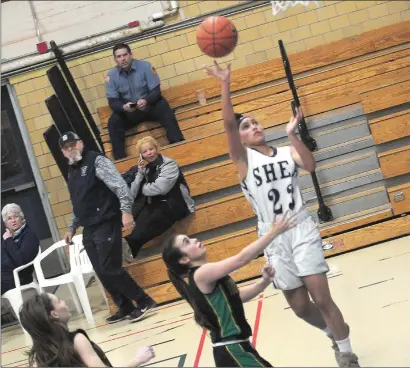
{"x": 19, "y": 250}
{"x": 93, "y": 202}
{"x": 223, "y": 308}
{"x": 96, "y": 348}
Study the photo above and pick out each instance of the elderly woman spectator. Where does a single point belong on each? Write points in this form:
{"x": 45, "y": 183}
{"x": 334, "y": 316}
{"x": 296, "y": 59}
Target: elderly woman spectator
{"x": 19, "y": 246}
{"x": 161, "y": 192}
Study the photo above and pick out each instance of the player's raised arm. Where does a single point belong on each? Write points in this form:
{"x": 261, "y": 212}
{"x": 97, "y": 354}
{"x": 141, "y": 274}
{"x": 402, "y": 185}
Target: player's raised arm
{"x": 236, "y": 151}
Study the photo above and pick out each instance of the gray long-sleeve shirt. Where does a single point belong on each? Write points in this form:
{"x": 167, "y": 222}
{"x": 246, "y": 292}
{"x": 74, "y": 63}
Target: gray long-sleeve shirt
{"x": 106, "y": 171}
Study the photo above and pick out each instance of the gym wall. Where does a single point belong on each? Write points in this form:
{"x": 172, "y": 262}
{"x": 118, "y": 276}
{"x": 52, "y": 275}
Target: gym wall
{"x": 178, "y": 60}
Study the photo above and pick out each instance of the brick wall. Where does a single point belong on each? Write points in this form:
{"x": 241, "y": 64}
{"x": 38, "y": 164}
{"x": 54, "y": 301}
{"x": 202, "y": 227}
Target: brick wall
{"x": 178, "y": 60}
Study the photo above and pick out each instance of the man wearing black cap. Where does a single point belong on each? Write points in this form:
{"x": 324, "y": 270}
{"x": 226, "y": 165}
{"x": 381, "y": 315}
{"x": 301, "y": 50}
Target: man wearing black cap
{"x": 99, "y": 195}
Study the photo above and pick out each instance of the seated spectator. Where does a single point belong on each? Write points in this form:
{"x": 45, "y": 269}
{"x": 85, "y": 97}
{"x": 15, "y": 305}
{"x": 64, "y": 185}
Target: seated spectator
{"x": 160, "y": 191}
{"x": 45, "y": 318}
{"x": 19, "y": 246}
{"x": 134, "y": 95}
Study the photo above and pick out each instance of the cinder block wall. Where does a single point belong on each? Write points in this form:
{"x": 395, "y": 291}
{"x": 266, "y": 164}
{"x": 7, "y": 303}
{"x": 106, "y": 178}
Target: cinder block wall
{"x": 178, "y": 60}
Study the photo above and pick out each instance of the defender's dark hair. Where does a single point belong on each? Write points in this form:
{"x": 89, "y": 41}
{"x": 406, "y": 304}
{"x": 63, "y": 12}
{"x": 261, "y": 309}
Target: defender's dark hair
{"x": 52, "y": 346}
{"x": 120, "y": 46}
{"x": 171, "y": 256}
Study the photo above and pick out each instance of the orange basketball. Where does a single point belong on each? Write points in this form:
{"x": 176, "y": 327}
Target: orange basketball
{"x": 216, "y": 36}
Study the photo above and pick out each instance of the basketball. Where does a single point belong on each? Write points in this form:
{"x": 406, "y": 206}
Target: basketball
{"x": 216, "y": 36}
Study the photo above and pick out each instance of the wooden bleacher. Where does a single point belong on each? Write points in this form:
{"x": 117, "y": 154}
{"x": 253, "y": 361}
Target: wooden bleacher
{"x": 365, "y": 76}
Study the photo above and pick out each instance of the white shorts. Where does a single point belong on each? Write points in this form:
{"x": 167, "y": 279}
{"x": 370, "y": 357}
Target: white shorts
{"x": 295, "y": 253}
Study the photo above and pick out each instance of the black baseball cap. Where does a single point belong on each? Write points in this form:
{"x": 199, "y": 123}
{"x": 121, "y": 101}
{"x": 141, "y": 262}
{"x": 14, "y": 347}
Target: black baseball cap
{"x": 68, "y": 137}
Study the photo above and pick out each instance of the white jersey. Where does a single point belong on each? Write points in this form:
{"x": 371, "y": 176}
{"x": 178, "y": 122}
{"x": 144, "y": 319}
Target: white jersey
{"x": 271, "y": 184}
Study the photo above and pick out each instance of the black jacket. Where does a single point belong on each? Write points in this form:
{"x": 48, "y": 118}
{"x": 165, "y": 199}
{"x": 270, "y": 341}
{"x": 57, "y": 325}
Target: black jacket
{"x": 18, "y": 251}
{"x": 93, "y": 202}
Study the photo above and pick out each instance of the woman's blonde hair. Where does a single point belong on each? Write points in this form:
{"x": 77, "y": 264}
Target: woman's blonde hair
{"x": 145, "y": 140}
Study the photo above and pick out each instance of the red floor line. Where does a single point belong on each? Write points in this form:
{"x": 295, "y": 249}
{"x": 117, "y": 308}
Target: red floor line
{"x": 200, "y": 347}
{"x": 257, "y": 320}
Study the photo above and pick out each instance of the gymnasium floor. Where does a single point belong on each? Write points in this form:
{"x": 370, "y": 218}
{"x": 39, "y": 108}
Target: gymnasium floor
{"x": 371, "y": 286}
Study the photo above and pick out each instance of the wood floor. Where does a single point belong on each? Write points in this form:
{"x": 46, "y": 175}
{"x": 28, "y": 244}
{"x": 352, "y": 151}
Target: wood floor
{"x": 370, "y": 286}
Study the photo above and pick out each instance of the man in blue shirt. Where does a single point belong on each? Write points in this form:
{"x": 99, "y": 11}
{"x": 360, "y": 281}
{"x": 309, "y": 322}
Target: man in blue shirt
{"x": 134, "y": 95}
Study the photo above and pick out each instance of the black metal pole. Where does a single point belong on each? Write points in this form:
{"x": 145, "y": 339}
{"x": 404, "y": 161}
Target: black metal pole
{"x": 77, "y": 93}
{"x": 304, "y": 133}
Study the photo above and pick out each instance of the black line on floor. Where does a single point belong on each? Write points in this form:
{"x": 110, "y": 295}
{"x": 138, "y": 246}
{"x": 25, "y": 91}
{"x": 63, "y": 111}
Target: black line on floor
{"x": 164, "y": 320}
{"x": 169, "y": 329}
{"x": 118, "y": 333}
{"x": 162, "y": 342}
{"x": 397, "y": 255}
{"x": 186, "y": 314}
{"x": 375, "y": 283}
{"x": 333, "y": 276}
{"x": 394, "y": 303}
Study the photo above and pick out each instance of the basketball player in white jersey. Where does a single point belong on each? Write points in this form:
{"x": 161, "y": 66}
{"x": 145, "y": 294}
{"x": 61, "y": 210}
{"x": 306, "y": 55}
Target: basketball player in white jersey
{"x": 268, "y": 176}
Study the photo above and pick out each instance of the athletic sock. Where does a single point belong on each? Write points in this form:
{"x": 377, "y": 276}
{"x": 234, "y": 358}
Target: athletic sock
{"x": 328, "y": 332}
{"x": 344, "y": 345}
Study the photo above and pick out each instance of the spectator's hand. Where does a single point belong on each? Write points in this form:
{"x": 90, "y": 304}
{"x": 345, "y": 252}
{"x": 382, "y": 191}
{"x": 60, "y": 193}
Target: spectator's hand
{"x": 144, "y": 354}
{"x": 217, "y": 71}
{"x": 68, "y": 237}
{"x": 142, "y": 104}
{"x": 128, "y": 108}
{"x": 128, "y": 221}
{"x": 142, "y": 166}
{"x": 7, "y": 234}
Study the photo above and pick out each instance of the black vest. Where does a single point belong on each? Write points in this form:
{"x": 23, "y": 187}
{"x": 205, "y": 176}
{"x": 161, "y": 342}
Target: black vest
{"x": 93, "y": 202}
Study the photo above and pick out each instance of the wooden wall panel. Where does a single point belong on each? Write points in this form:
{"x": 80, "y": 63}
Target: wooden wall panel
{"x": 310, "y": 59}
{"x": 385, "y": 97}
{"x": 391, "y": 127}
{"x": 395, "y": 162}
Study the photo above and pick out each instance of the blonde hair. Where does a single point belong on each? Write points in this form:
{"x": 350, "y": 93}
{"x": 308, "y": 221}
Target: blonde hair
{"x": 145, "y": 140}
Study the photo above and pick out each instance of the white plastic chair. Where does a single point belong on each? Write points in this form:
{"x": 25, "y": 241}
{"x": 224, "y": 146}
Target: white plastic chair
{"x": 75, "y": 276}
{"x": 15, "y": 296}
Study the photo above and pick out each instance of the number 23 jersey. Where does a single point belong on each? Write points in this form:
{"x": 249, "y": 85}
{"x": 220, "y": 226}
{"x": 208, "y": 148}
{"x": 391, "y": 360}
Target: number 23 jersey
{"x": 271, "y": 184}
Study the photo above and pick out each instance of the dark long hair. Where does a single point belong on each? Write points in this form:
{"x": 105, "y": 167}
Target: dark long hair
{"x": 171, "y": 256}
{"x": 52, "y": 346}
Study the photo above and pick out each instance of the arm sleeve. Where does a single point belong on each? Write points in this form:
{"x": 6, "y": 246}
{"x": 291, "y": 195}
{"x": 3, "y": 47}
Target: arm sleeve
{"x": 111, "y": 88}
{"x": 106, "y": 171}
{"x": 25, "y": 251}
{"x": 116, "y": 104}
{"x": 74, "y": 224}
{"x": 135, "y": 186}
{"x": 151, "y": 76}
{"x": 153, "y": 95}
{"x": 165, "y": 181}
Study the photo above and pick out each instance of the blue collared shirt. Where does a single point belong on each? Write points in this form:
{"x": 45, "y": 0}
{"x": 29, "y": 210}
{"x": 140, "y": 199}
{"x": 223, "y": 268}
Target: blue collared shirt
{"x": 137, "y": 83}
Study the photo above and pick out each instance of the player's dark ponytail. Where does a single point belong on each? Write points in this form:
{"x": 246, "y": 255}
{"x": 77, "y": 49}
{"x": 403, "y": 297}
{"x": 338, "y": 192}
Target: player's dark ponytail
{"x": 176, "y": 273}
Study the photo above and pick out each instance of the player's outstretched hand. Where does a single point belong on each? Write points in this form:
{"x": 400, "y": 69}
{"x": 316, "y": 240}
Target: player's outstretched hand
{"x": 283, "y": 223}
{"x": 294, "y": 121}
{"x": 144, "y": 354}
{"x": 218, "y": 72}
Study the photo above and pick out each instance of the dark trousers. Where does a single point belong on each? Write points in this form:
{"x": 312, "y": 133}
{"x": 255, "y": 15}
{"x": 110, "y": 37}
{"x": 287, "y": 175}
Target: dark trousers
{"x": 153, "y": 220}
{"x": 238, "y": 355}
{"x": 103, "y": 243}
{"x": 118, "y": 123}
